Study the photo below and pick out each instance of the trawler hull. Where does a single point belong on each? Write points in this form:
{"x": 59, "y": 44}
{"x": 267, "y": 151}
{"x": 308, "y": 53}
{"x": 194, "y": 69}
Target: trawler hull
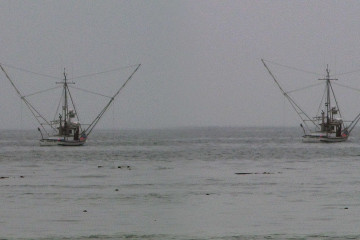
{"x": 320, "y": 138}
{"x": 61, "y": 142}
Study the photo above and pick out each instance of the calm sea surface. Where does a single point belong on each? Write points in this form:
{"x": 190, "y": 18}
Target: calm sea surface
{"x": 195, "y": 183}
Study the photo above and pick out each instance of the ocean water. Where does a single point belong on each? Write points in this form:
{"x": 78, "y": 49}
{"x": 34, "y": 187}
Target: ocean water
{"x": 189, "y": 183}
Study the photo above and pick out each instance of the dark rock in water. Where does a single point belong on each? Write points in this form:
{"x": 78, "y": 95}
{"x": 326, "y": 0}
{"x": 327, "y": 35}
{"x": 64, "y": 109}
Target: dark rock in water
{"x": 3, "y": 177}
{"x": 85, "y": 211}
{"x": 346, "y": 208}
{"x": 99, "y": 166}
{"x": 21, "y": 176}
{"x": 116, "y": 190}
{"x": 128, "y": 167}
{"x": 248, "y": 173}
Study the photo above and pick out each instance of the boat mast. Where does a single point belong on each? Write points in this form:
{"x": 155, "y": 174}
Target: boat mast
{"x": 328, "y": 97}
{"x": 65, "y": 108}
{"x": 328, "y": 104}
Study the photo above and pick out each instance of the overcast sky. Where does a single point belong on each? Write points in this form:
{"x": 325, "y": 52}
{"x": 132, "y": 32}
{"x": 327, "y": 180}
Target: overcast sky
{"x": 201, "y": 60}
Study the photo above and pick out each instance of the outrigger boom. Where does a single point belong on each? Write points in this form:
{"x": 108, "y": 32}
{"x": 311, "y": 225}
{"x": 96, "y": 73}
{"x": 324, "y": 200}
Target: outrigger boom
{"x": 97, "y": 119}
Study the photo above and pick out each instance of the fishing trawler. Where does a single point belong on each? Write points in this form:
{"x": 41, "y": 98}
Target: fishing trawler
{"x": 66, "y": 130}
{"x": 328, "y": 125}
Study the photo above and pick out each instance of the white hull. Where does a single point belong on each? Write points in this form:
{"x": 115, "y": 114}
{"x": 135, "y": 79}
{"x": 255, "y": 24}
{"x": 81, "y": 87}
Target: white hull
{"x": 61, "y": 142}
{"x": 322, "y": 139}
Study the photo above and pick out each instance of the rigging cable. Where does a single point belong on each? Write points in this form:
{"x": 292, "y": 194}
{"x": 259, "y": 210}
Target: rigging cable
{"x": 57, "y": 109}
{"x": 28, "y": 71}
{"x": 303, "y": 88}
{"x": 42, "y": 91}
{"x": 293, "y": 68}
{"x": 73, "y": 103}
{"x": 87, "y": 91}
{"x": 344, "y": 86}
{"x": 321, "y": 102}
{"x": 336, "y": 102}
{"x": 357, "y": 118}
{"x": 97, "y": 73}
{"x": 344, "y": 73}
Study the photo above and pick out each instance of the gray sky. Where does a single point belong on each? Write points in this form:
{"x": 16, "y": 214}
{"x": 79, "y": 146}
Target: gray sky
{"x": 200, "y": 59}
